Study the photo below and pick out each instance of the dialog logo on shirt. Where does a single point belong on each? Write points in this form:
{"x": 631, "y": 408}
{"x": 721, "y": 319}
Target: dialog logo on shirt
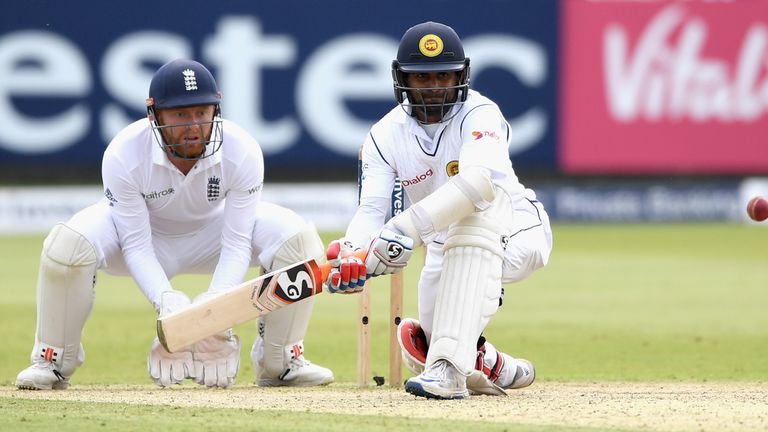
{"x": 485, "y": 134}
{"x": 418, "y": 179}
{"x": 213, "y": 188}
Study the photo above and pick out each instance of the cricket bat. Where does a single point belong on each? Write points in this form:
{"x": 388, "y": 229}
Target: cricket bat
{"x": 245, "y": 302}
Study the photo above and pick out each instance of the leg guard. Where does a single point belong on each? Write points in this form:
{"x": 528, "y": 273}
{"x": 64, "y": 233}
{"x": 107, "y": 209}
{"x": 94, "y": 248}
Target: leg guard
{"x": 282, "y": 331}
{"x": 470, "y": 285}
{"x": 65, "y": 297}
{"x": 413, "y": 344}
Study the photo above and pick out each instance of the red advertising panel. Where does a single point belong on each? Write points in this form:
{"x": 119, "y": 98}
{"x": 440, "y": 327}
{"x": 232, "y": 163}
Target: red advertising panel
{"x": 664, "y": 87}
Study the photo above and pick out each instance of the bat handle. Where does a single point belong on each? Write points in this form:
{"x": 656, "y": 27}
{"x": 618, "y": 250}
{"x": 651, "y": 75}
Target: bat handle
{"x": 325, "y": 268}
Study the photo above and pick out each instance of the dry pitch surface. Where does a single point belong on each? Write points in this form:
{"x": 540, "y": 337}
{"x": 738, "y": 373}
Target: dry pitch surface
{"x": 640, "y": 406}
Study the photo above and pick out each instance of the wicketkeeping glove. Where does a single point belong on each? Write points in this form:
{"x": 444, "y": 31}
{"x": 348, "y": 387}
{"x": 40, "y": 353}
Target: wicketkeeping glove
{"x": 217, "y": 360}
{"x": 348, "y": 274}
{"x": 388, "y": 252}
{"x": 167, "y": 368}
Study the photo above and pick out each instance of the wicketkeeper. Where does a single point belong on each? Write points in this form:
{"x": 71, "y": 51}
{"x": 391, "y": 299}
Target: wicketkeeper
{"x": 182, "y": 194}
{"x": 449, "y": 147}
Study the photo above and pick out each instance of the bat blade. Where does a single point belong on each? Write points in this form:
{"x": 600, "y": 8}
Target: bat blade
{"x": 240, "y": 304}
{"x": 245, "y": 302}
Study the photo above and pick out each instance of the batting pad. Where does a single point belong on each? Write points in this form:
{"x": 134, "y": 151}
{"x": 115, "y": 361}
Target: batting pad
{"x": 470, "y": 284}
{"x": 286, "y": 327}
{"x": 65, "y": 297}
{"x": 470, "y": 287}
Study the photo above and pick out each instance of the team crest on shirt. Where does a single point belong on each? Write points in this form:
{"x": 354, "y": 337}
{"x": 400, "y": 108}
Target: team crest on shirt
{"x": 452, "y": 168}
{"x": 213, "y": 188}
{"x": 431, "y": 45}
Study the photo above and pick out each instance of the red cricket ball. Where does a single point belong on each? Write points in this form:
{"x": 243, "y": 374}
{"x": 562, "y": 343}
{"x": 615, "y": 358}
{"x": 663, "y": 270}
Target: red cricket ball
{"x": 757, "y": 209}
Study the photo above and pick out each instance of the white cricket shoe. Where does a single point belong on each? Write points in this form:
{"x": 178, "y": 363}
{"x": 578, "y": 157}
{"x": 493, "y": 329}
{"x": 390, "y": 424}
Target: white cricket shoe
{"x": 440, "y": 380}
{"x": 299, "y": 372}
{"x": 494, "y": 371}
{"x": 524, "y": 375}
{"x": 41, "y": 376}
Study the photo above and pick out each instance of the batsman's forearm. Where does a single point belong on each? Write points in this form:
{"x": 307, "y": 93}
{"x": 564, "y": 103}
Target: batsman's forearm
{"x": 469, "y": 191}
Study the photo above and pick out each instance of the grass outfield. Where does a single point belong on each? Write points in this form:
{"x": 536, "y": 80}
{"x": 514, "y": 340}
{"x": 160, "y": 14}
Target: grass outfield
{"x": 617, "y": 303}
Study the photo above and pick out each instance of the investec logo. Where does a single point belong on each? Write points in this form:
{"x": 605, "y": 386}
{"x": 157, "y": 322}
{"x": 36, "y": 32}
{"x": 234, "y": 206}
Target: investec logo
{"x": 157, "y": 194}
{"x": 418, "y": 179}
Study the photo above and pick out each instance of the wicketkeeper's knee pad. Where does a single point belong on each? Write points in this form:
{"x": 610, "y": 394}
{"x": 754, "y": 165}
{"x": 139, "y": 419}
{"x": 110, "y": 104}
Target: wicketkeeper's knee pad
{"x": 413, "y": 344}
{"x": 303, "y": 245}
{"x": 285, "y": 328}
{"x": 65, "y": 297}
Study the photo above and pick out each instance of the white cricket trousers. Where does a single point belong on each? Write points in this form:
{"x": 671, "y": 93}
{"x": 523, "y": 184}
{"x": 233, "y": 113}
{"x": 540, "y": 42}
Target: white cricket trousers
{"x": 197, "y": 253}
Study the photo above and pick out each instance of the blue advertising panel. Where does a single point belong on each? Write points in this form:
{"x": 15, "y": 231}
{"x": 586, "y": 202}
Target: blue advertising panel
{"x": 306, "y": 78}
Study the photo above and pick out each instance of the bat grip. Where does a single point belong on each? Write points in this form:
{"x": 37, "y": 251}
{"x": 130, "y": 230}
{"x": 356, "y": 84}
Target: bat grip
{"x": 325, "y": 268}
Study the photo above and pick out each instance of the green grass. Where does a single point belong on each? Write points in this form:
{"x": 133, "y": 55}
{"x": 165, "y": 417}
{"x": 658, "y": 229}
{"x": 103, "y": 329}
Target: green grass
{"x": 72, "y": 416}
{"x": 616, "y": 303}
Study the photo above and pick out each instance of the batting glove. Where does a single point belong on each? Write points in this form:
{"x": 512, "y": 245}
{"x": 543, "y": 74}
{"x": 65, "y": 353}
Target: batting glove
{"x": 388, "y": 252}
{"x": 348, "y": 273}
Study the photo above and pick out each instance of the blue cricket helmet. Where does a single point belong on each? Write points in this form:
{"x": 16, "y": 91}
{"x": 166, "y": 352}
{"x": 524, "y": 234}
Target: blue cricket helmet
{"x": 425, "y": 48}
{"x": 184, "y": 83}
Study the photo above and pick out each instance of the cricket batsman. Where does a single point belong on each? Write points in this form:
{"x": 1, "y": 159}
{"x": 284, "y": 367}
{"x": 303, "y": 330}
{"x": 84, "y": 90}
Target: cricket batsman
{"x": 448, "y": 145}
{"x": 182, "y": 194}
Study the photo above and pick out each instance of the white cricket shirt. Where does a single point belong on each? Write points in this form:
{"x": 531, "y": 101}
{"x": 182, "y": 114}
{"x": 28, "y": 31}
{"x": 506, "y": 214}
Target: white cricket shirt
{"x": 398, "y": 146}
{"x": 150, "y": 197}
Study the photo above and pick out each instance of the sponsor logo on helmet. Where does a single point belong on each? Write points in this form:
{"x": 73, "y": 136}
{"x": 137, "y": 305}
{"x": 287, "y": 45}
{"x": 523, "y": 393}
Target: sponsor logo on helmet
{"x": 452, "y": 168}
{"x": 431, "y": 45}
{"x": 418, "y": 179}
{"x": 190, "y": 82}
{"x": 478, "y": 135}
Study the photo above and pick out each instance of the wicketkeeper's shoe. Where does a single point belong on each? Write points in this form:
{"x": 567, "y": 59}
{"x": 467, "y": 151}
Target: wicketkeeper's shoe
{"x": 298, "y": 372}
{"x": 440, "y": 380}
{"x": 41, "y": 376}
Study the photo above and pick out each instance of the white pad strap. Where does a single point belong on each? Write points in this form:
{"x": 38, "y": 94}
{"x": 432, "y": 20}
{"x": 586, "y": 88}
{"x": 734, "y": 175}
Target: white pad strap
{"x": 284, "y": 328}
{"x": 65, "y": 297}
{"x": 467, "y": 192}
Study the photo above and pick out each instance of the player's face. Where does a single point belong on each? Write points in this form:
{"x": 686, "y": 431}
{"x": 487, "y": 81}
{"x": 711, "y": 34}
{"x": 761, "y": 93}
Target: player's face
{"x": 188, "y": 129}
{"x": 432, "y": 92}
